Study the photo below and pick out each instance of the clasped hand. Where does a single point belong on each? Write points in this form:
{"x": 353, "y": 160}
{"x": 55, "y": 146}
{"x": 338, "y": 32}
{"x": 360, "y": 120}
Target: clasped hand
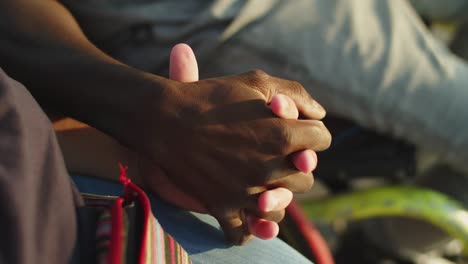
{"x": 221, "y": 147}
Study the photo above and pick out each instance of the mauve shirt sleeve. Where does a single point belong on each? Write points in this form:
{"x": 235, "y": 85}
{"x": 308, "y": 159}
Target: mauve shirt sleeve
{"x": 37, "y": 200}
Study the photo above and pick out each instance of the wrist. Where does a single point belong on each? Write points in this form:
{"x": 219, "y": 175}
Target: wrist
{"x": 143, "y": 113}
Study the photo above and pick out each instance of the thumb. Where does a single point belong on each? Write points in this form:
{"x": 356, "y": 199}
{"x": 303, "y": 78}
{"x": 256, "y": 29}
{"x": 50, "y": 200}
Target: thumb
{"x": 183, "y": 68}
{"x": 183, "y": 64}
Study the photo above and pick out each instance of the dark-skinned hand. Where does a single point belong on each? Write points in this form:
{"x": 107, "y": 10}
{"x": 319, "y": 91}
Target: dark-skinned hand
{"x": 240, "y": 191}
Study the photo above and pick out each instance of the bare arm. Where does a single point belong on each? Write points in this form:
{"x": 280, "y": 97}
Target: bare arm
{"x": 42, "y": 46}
{"x": 216, "y": 139}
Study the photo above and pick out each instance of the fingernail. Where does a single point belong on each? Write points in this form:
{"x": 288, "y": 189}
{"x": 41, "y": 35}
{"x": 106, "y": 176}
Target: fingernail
{"x": 272, "y": 203}
{"x": 285, "y": 100}
{"x": 291, "y": 108}
{"x": 314, "y": 161}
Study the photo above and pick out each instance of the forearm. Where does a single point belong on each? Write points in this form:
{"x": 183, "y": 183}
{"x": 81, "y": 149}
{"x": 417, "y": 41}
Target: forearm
{"x": 87, "y": 151}
{"x": 43, "y": 47}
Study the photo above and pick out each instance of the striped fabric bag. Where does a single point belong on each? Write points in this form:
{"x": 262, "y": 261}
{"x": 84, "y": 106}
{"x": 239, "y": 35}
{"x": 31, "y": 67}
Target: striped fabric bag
{"x": 126, "y": 231}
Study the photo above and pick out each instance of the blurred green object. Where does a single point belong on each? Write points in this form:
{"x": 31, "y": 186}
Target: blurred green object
{"x": 412, "y": 202}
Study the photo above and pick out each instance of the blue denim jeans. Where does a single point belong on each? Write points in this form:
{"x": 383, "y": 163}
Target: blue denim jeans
{"x": 200, "y": 234}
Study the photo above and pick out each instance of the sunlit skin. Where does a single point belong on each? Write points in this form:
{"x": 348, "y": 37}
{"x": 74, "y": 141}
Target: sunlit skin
{"x": 216, "y": 139}
{"x": 183, "y": 68}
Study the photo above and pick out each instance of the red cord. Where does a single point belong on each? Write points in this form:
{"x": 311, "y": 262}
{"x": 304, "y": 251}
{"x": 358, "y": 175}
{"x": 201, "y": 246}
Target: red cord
{"x": 117, "y": 233}
{"x": 315, "y": 241}
{"x": 130, "y": 190}
{"x": 123, "y": 175}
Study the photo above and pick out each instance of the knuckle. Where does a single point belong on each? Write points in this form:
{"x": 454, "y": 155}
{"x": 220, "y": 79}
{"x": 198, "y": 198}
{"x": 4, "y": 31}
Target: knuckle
{"x": 301, "y": 93}
{"x": 307, "y": 181}
{"x": 323, "y": 135}
{"x": 285, "y": 135}
{"x": 297, "y": 88}
{"x": 328, "y": 140}
{"x": 260, "y": 80}
{"x": 275, "y": 216}
{"x": 259, "y": 74}
{"x": 279, "y": 216}
{"x": 279, "y": 137}
{"x": 282, "y": 216}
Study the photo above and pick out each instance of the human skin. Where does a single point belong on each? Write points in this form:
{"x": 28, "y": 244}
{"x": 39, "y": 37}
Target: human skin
{"x": 217, "y": 139}
{"x": 78, "y": 141}
{"x": 183, "y": 67}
